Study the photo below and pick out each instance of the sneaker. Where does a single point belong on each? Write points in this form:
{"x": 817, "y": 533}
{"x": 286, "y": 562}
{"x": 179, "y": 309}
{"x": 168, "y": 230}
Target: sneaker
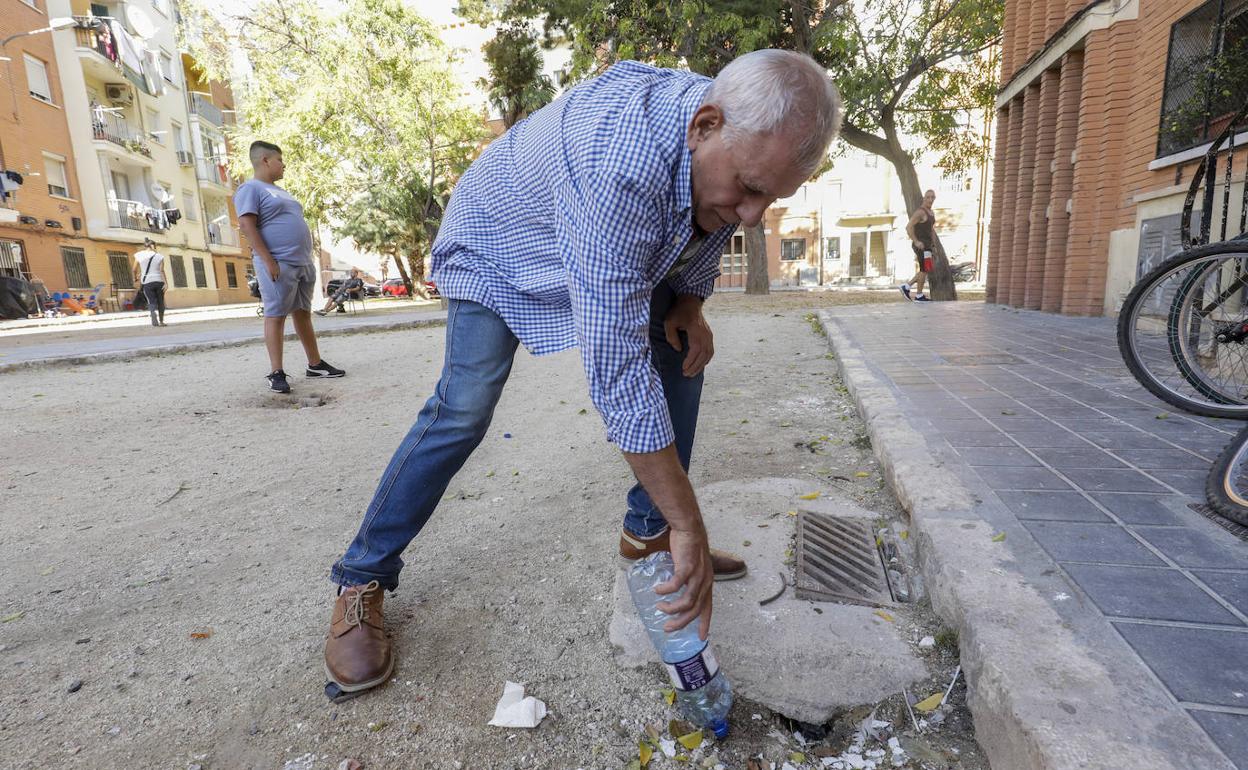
{"x": 727, "y": 566}
{"x": 905, "y": 291}
{"x": 278, "y": 383}
{"x": 324, "y": 369}
{"x": 922, "y": 298}
{"x": 321, "y": 313}
{"x": 358, "y": 654}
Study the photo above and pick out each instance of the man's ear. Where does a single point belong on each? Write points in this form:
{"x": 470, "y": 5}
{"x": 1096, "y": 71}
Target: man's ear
{"x": 706, "y": 121}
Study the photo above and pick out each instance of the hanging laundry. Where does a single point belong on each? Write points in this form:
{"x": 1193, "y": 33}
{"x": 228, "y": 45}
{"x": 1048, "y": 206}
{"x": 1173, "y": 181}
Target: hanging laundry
{"x": 173, "y": 215}
{"x": 105, "y": 41}
{"x": 131, "y": 51}
{"x": 151, "y": 73}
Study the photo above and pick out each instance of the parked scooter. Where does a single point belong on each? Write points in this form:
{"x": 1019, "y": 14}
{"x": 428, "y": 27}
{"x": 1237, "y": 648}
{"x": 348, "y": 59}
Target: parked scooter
{"x": 962, "y": 272}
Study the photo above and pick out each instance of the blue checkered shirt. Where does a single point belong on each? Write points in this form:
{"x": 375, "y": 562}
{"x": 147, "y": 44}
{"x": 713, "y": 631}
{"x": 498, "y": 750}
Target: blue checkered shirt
{"x": 566, "y": 224}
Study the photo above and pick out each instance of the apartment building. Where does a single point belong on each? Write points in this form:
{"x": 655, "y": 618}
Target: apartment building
{"x": 41, "y": 218}
{"x": 1104, "y": 114}
{"x": 849, "y": 226}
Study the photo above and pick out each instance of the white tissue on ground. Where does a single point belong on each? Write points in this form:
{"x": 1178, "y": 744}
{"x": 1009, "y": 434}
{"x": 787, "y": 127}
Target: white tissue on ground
{"x": 516, "y": 710}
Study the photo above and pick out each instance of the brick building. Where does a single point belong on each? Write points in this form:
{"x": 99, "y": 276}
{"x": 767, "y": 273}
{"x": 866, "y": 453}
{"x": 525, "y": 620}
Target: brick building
{"x": 1104, "y": 112}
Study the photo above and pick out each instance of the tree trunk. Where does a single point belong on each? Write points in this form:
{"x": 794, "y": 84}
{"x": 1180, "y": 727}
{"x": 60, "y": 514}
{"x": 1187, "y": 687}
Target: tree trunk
{"x": 940, "y": 280}
{"x": 756, "y": 280}
{"x": 407, "y": 281}
{"x": 416, "y": 263}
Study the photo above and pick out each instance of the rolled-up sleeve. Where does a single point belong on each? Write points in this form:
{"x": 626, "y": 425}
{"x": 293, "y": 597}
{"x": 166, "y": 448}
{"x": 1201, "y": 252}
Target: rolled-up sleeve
{"x": 607, "y": 229}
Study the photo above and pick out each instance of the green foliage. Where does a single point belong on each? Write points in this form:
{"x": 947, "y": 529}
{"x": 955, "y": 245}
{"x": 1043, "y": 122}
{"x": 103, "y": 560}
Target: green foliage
{"x": 516, "y": 86}
{"x": 362, "y": 99}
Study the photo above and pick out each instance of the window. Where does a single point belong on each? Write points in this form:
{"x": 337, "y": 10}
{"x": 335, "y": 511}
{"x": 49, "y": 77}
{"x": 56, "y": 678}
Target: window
{"x": 1206, "y": 75}
{"x": 166, "y": 68}
{"x": 179, "y": 271}
{"x": 32, "y": 4}
{"x": 201, "y": 278}
{"x": 11, "y": 258}
{"x": 153, "y": 126}
{"x": 179, "y": 138}
{"x": 119, "y": 266}
{"x": 54, "y": 168}
{"x": 188, "y": 206}
{"x": 792, "y": 249}
{"x": 832, "y": 247}
{"x": 161, "y": 5}
{"x": 231, "y": 275}
{"x": 75, "y": 262}
{"x": 871, "y": 160}
{"x": 37, "y": 79}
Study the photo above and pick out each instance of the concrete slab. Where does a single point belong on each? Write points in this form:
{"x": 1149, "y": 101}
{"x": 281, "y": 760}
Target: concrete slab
{"x": 1195, "y": 678}
{"x": 802, "y": 659}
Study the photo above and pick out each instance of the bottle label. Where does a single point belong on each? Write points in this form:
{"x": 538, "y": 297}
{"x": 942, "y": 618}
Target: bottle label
{"x": 694, "y": 673}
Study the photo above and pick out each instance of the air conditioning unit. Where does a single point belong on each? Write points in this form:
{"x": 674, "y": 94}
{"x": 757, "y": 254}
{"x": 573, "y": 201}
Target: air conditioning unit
{"x": 185, "y": 158}
{"x": 119, "y": 93}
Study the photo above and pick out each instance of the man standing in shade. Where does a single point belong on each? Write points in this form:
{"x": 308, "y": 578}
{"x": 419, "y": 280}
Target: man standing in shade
{"x": 597, "y": 222}
{"x": 281, "y": 249}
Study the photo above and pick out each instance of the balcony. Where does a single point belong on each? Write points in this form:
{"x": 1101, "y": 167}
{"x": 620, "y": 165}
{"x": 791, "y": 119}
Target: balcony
{"x": 210, "y": 172}
{"x": 201, "y": 105}
{"x": 135, "y": 215}
{"x": 110, "y": 127}
{"x": 222, "y": 235}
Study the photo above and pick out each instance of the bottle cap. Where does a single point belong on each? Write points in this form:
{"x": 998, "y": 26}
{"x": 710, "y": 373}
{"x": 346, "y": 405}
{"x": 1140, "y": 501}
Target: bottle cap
{"x": 720, "y": 726}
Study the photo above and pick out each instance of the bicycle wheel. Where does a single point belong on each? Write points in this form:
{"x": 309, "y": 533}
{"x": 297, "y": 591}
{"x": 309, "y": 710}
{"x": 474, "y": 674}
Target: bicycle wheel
{"x": 1183, "y": 330}
{"x": 1226, "y": 489}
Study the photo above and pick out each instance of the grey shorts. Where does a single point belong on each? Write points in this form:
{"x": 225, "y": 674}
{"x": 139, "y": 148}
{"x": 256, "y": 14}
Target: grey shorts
{"x": 290, "y": 292}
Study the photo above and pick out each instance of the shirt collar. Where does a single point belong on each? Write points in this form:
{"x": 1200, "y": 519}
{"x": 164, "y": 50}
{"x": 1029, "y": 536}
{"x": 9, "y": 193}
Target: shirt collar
{"x": 689, "y": 103}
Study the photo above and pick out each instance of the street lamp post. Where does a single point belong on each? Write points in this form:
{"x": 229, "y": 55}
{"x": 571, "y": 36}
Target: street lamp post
{"x": 62, "y": 22}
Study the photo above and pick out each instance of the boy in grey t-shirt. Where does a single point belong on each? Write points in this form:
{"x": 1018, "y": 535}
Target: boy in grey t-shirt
{"x": 281, "y": 250}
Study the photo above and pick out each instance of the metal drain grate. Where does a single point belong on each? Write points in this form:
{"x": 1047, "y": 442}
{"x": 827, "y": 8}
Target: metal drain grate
{"x": 1238, "y": 530}
{"x": 983, "y": 359}
{"x": 837, "y": 561}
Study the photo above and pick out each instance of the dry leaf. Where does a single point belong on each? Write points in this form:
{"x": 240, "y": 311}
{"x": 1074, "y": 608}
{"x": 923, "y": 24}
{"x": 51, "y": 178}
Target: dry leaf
{"x": 692, "y": 740}
{"x": 929, "y": 703}
{"x": 809, "y": 496}
{"x": 47, "y": 571}
{"x": 862, "y": 474}
{"x": 644, "y": 752}
{"x": 669, "y": 696}
{"x": 374, "y": 727}
{"x": 790, "y": 513}
{"x": 997, "y": 538}
{"x": 679, "y": 727}
{"x": 905, "y": 534}
{"x": 207, "y": 632}
{"x": 797, "y": 756}
{"x": 13, "y": 617}
{"x": 885, "y": 615}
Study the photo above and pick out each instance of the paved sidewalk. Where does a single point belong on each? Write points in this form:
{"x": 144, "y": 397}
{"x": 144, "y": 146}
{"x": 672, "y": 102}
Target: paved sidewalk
{"x": 83, "y": 345}
{"x": 1030, "y": 424}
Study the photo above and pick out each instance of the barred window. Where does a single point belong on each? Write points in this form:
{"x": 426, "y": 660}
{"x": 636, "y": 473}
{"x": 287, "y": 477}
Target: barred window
{"x": 75, "y": 262}
{"x": 201, "y": 277}
{"x": 119, "y": 266}
{"x": 231, "y": 275}
{"x": 179, "y": 271}
{"x": 1206, "y": 75}
{"x": 792, "y": 249}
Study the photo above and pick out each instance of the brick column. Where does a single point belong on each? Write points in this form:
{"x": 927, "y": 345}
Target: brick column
{"x": 1016, "y": 35}
{"x": 1055, "y": 18}
{"x": 996, "y": 251}
{"x": 1088, "y": 186}
{"x": 1022, "y": 198}
{"x": 1009, "y": 201}
{"x": 1037, "y": 18}
{"x": 1007, "y": 42}
{"x": 1042, "y": 174}
{"x": 1067, "y": 126}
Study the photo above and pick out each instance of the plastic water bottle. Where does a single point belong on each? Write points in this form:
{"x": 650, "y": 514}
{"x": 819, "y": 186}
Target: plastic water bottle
{"x": 703, "y": 693}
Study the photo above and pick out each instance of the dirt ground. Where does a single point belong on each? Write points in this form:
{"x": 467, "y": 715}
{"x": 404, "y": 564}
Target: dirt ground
{"x": 169, "y": 525}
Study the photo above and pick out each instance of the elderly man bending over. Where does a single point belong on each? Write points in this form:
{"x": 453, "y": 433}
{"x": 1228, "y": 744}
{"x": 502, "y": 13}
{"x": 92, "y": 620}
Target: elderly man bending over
{"x": 597, "y": 223}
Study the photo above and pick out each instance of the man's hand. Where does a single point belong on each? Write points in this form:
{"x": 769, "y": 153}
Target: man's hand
{"x": 271, "y": 266}
{"x": 686, "y": 316}
{"x": 691, "y": 556}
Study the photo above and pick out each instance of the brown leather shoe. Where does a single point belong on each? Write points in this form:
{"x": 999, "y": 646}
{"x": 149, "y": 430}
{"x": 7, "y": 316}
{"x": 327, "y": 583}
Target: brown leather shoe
{"x": 357, "y": 652}
{"x": 727, "y": 566}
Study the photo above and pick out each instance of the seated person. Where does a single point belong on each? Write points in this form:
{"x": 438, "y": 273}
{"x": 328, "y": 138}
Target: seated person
{"x": 353, "y": 285}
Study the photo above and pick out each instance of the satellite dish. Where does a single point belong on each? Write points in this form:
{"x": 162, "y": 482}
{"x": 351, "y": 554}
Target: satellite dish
{"x": 160, "y": 193}
{"x": 140, "y": 22}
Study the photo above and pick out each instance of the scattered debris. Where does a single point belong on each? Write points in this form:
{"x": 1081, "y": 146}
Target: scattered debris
{"x": 74, "y": 686}
{"x": 810, "y": 496}
{"x": 350, "y": 764}
{"x": 784, "y": 583}
{"x": 182, "y": 487}
{"x": 999, "y": 537}
{"x": 516, "y": 710}
{"x": 15, "y": 616}
{"x": 205, "y": 634}
{"x": 927, "y": 642}
{"x": 884, "y": 615}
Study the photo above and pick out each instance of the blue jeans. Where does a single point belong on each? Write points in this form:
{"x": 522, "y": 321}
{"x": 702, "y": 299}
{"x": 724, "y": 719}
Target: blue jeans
{"x": 479, "y": 353}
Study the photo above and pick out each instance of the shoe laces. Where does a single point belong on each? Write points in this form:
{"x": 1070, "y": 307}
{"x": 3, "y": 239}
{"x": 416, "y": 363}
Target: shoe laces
{"x": 357, "y": 607}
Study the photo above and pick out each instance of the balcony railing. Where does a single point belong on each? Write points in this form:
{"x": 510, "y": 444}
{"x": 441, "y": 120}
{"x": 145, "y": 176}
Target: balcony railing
{"x": 135, "y": 215}
{"x": 113, "y": 128}
{"x": 94, "y": 33}
{"x": 208, "y": 171}
{"x": 222, "y": 235}
{"x": 201, "y": 105}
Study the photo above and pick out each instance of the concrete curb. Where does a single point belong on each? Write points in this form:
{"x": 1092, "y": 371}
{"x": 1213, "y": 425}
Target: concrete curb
{"x": 128, "y": 355}
{"x": 1041, "y": 696}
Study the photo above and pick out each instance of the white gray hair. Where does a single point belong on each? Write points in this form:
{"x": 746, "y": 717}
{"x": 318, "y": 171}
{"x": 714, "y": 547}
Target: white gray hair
{"x": 769, "y": 91}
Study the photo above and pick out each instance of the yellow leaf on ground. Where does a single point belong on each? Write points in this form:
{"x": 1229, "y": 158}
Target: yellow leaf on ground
{"x": 862, "y": 474}
{"x": 884, "y": 615}
{"x": 791, "y": 513}
{"x": 47, "y": 571}
{"x": 644, "y": 752}
{"x": 669, "y": 696}
{"x": 13, "y": 617}
{"x": 797, "y": 756}
{"x": 997, "y": 538}
{"x": 905, "y": 534}
{"x": 810, "y": 496}
{"x": 929, "y": 703}
{"x": 692, "y": 740}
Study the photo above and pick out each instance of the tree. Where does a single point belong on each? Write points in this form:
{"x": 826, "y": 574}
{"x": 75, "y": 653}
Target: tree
{"x": 916, "y": 67}
{"x": 516, "y": 86}
{"x": 363, "y": 100}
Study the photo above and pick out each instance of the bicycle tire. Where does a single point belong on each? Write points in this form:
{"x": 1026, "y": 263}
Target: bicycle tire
{"x": 1204, "y": 401}
{"x": 1226, "y": 487}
